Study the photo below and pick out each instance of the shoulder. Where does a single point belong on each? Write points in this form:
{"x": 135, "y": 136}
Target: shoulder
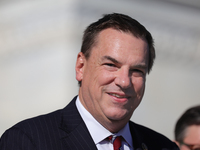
{"x": 150, "y": 137}
{"x": 38, "y": 132}
{"x": 23, "y": 134}
{"x": 30, "y": 133}
{"x": 39, "y": 121}
{"x": 46, "y": 121}
{"x": 37, "y": 125}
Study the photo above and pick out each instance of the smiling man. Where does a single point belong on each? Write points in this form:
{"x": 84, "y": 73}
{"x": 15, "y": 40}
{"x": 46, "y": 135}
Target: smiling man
{"x": 116, "y": 55}
{"x": 113, "y": 77}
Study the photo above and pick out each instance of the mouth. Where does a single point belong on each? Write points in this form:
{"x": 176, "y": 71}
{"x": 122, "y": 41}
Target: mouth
{"x": 119, "y": 96}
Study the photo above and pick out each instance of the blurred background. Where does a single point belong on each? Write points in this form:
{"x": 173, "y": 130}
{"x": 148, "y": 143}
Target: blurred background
{"x": 39, "y": 41}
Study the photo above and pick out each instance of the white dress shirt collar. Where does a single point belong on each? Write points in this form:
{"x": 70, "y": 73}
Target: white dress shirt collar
{"x": 97, "y": 131}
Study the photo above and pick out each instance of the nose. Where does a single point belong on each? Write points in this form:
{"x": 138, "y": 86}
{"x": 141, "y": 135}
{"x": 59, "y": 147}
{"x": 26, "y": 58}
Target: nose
{"x": 123, "y": 78}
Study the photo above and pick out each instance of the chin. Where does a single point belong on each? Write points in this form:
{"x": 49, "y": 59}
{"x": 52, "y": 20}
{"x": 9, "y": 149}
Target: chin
{"x": 118, "y": 116}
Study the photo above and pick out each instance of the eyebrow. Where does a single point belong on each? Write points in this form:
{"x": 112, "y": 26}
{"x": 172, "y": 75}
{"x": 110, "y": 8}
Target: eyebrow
{"x": 111, "y": 59}
{"x": 142, "y": 66}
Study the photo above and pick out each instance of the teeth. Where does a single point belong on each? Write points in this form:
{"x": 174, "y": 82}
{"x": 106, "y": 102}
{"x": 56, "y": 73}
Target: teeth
{"x": 118, "y": 96}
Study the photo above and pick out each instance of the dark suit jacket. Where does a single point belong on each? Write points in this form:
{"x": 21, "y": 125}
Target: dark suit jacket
{"x": 65, "y": 130}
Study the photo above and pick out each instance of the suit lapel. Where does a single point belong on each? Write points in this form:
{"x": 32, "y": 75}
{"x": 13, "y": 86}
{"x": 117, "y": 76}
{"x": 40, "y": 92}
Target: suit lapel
{"x": 76, "y": 134}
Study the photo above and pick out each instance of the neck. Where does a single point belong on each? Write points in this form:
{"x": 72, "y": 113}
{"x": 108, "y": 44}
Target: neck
{"x": 114, "y": 126}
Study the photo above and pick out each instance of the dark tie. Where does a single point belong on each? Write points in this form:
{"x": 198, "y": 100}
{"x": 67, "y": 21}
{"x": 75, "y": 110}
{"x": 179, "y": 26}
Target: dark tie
{"x": 116, "y": 143}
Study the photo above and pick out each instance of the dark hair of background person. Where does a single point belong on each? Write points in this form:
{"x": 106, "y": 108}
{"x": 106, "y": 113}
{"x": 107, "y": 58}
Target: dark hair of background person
{"x": 118, "y": 22}
{"x": 189, "y": 117}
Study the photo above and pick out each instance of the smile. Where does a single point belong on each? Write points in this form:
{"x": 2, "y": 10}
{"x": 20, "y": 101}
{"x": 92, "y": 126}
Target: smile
{"x": 119, "y": 96}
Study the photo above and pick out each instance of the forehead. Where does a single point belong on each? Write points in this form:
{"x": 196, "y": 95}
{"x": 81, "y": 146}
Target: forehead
{"x": 111, "y": 37}
{"x": 120, "y": 44}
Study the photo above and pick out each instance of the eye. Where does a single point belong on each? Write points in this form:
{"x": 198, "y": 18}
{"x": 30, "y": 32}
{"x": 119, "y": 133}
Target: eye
{"x": 110, "y": 64}
{"x": 137, "y": 72}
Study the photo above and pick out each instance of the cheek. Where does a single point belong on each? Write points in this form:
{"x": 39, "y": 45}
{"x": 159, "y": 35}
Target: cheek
{"x": 139, "y": 85}
{"x": 105, "y": 78}
{"x": 98, "y": 83}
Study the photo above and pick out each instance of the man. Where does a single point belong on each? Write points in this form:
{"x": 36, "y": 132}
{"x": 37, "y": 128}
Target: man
{"x": 117, "y": 52}
{"x": 187, "y": 129}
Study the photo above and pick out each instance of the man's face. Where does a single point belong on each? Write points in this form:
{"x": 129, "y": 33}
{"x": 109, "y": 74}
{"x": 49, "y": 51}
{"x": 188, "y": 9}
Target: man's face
{"x": 192, "y": 138}
{"x": 113, "y": 77}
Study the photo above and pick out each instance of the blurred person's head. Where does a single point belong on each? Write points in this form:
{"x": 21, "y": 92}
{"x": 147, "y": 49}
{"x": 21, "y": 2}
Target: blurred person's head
{"x": 187, "y": 129}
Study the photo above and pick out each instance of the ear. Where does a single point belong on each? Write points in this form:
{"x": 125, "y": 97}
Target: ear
{"x": 80, "y": 62}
